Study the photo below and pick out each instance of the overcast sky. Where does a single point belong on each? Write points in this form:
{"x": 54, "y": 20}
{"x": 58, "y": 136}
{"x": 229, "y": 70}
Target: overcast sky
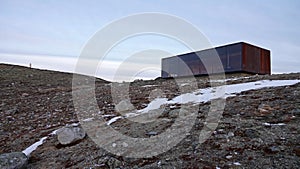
{"x": 51, "y": 34}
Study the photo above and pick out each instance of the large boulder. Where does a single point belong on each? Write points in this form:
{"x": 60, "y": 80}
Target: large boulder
{"x": 70, "y": 134}
{"x": 124, "y": 106}
{"x": 14, "y": 160}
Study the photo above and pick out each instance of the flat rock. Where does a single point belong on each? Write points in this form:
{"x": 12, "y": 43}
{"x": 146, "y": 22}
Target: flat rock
{"x": 124, "y": 106}
{"x": 70, "y": 134}
{"x": 14, "y": 160}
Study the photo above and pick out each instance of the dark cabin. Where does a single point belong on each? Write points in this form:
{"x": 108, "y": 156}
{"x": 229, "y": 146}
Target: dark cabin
{"x": 235, "y": 58}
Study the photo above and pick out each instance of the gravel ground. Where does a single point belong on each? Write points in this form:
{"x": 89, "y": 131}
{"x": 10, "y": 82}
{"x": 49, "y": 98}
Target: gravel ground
{"x": 34, "y": 103}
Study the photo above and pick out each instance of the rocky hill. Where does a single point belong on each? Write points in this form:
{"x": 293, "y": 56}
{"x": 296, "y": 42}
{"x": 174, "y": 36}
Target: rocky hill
{"x": 259, "y": 128}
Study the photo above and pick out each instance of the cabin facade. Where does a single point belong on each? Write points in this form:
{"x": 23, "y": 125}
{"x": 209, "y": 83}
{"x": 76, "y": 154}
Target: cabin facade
{"x": 235, "y": 58}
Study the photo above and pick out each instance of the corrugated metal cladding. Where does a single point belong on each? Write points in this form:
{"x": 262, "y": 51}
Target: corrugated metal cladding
{"x": 237, "y": 57}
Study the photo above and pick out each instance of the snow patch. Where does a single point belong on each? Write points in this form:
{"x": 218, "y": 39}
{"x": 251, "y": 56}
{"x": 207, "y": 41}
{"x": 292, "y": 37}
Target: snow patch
{"x": 53, "y": 132}
{"x": 154, "y": 104}
{"x": 184, "y": 84}
{"x": 114, "y": 120}
{"x": 229, "y": 157}
{"x": 33, "y": 147}
{"x": 149, "y": 86}
{"x": 272, "y": 124}
{"x": 131, "y": 114}
{"x": 73, "y": 124}
{"x": 208, "y": 94}
{"x": 108, "y": 115}
{"x": 237, "y": 163}
{"x": 88, "y": 119}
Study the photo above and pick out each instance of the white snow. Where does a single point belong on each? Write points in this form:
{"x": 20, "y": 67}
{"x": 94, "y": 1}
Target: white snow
{"x": 34, "y": 146}
{"x": 114, "y": 120}
{"x": 184, "y": 84}
{"x": 149, "y": 85}
{"x": 231, "y": 79}
{"x": 31, "y": 148}
{"x": 73, "y": 124}
{"x": 276, "y": 124}
{"x": 159, "y": 163}
{"x": 207, "y": 94}
{"x": 53, "y": 132}
{"x": 154, "y": 104}
{"x": 238, "y": 88}
{"x": 131, "y": 114}
{"x": 237, "y": 163}
{"x": 88, "y": 119}
{"x": 229, "y": 157}
{"x": 108, "y": 115}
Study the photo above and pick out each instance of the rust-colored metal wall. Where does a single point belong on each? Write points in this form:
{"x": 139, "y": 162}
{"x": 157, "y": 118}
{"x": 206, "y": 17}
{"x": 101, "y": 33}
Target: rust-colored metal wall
{"x": 237, "y": 57}
{"x": 265, "y": 62}
{"x": 256, "y": 60}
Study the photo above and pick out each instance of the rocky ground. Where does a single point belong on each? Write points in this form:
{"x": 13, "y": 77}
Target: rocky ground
{"x": 258, "y": 128}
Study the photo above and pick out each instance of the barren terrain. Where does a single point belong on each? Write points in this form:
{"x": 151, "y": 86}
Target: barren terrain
{"x": 258, "y": 128}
